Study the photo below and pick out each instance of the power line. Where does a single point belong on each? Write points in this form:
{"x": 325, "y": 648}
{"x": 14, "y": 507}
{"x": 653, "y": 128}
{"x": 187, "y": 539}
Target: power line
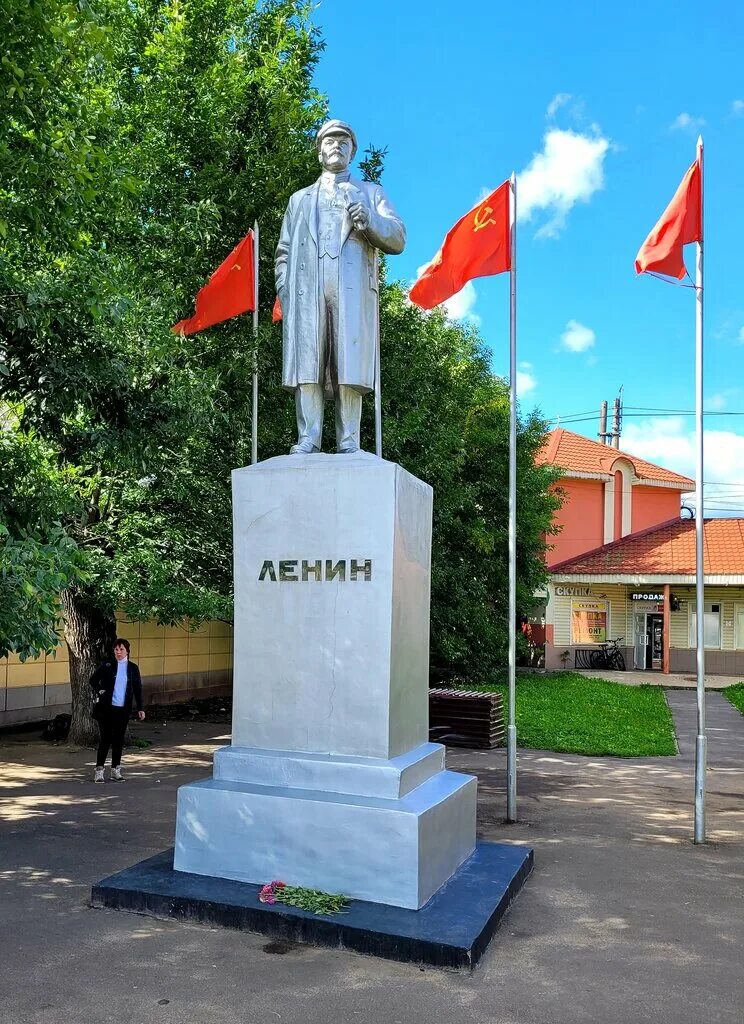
{"x": 712, "y": 503}
{"x": 684, "y": 412}
{"x": 723, "y": 483}
{"x": 586, "y": 412}
{"x": 641, "y": 415}
{"x": 661, "y": 408}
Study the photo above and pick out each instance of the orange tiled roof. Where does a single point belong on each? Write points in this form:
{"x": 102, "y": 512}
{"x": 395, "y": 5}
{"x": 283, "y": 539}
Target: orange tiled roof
{"x": 668, "y": 549}
{"x": 582, "y": 455}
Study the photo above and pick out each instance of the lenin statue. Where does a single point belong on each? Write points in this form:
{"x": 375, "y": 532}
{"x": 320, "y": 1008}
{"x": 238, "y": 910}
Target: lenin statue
{"x": 327, "y": 283}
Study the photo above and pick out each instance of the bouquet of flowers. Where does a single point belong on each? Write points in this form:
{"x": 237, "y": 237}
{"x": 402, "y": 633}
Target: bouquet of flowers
{"x": 314, "y": 900}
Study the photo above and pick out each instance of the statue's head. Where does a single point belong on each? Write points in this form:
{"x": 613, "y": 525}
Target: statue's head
{"x": 337, "y": 145}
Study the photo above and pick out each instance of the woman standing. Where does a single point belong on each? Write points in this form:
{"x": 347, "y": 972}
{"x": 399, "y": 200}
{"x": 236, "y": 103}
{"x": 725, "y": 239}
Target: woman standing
{"x": 116, "y": 685}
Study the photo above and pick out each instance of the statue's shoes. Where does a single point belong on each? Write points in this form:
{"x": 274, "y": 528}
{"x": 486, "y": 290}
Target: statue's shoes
{"x": 303, "y": 448}
{"x": 348, "y": 449}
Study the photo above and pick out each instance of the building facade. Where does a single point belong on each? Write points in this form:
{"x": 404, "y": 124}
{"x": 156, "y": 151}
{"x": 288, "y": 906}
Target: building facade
{"x": 641, "y": 590}
{"x": 607, "y": 494}
{"x": 623, "y": 566}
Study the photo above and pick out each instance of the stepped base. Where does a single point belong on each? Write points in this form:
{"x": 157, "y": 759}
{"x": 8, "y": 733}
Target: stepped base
{"x": 384, "y": 850}
{"x": 331, "y": 773}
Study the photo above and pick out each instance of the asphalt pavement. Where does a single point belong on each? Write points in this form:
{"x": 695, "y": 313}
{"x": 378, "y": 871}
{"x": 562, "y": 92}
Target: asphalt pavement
{"x": 624, "y": 920}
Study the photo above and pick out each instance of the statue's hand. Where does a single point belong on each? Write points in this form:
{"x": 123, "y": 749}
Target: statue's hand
{"x": 359, "y": 215}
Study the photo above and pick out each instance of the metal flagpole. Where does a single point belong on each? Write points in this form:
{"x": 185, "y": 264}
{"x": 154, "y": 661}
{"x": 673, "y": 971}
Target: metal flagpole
{"x": 701, "y": 743}
{"x": 378, "y": 394}
{"x": 511, "y": 732}
{"x": 254, "y": 401}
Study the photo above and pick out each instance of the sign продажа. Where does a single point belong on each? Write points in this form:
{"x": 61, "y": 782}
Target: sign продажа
{"x": 588, "y": 622}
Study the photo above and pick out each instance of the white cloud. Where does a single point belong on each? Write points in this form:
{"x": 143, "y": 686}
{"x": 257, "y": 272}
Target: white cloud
{"x": 559, "y": 100}
{"x": 737, "y": 107}
{"x": 670, "y": 442}
{"x": 741, "y": 335}
{"x": 568, "y": 170}
{"x": 460, "y": 306}
{"x": 686, "y": 122}
{"x": 664, "y": 441}
{"x": 714, "y": 403}
{"x": 526, "y": 380}
{"x": 572, "y": 109}
{"x": 577, "y": 337}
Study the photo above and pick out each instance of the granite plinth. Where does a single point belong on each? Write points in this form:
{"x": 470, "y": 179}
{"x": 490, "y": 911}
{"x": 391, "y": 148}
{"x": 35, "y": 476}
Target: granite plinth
{"x": 452, "y": 930}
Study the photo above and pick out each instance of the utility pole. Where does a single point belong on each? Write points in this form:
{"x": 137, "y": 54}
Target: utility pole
{"x": 617, "y": 419}
{"x": 603, "y": 423}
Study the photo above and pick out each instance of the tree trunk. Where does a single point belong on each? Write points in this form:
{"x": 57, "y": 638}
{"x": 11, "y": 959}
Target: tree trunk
{"x": 90, "y": 635}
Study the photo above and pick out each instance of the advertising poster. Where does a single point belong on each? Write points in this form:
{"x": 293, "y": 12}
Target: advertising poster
{"x": 588, "y": 622}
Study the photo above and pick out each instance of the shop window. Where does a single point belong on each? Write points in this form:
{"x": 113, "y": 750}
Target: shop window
{"x": 711, "y": 625}
{"x": 589, "y": 622}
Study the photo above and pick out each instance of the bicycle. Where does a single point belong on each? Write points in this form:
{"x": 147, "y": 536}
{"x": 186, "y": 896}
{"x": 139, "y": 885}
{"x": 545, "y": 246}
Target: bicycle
{"x": 610, "y": 656}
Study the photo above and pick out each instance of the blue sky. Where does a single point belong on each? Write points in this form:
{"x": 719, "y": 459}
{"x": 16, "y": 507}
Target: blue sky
{"x": 597, "y": 108}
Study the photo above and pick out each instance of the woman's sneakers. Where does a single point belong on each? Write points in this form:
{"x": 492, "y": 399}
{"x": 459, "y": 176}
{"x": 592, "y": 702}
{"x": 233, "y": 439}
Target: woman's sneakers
{"x": 116, "y": 775}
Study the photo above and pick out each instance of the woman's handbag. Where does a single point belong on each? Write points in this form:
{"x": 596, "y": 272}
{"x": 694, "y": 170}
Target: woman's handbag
{"x": 98, "y": 709}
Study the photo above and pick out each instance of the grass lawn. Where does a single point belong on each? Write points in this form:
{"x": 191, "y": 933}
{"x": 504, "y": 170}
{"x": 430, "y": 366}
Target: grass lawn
{"x": 736, "y": 695}
{"x": 576, "y": 714}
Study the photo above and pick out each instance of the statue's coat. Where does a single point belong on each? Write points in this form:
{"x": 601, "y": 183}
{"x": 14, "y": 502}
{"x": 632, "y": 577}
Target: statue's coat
{"x": 297, "y": 282}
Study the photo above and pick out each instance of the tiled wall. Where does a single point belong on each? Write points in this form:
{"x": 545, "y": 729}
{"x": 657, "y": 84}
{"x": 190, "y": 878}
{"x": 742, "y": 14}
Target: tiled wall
{"x": 176, "y": 663}
{"x": 27, "y": 690}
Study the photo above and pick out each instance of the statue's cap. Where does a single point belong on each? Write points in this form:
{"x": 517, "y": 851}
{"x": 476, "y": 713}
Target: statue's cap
{"x": 335, "y": 127}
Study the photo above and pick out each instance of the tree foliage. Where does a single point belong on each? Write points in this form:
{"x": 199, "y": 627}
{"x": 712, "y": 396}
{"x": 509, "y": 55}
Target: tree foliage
{"x": 446, "y": 419}
{"x": 144, "y": 139}
{"x": 149, "y": 137}
{"x": 195, "y": 119}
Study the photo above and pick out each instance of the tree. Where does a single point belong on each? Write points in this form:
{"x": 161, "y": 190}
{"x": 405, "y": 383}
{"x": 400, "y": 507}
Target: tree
{"x": 197, "y": 117}
{"x": 446, "y": 419}
{"x": 172, "y": 126}
{"x": 48, "y": 156}
{"x": 37, "y": 559}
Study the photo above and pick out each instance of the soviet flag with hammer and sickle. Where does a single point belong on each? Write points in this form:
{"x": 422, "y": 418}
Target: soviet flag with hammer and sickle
{"x": 477, "y": 246}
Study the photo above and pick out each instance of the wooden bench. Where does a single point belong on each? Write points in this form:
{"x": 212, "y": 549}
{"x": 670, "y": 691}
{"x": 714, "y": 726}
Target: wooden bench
{"x": 466, "y": 718}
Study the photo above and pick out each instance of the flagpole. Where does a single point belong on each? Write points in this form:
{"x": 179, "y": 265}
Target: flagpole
{"x": 511, "y": 732}
{"x": 254, "y": 400}
{"x": 701, "y": 741}
{"x": 378, "y": 392}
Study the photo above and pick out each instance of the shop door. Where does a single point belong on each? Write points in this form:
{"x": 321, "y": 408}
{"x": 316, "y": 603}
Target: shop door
{"x": 640, "y": 640}
{"x": 655, "y": 641}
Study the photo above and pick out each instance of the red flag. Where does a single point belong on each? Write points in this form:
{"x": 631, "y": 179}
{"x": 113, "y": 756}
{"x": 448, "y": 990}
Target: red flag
{"x": 276, "y": 313}
{"x": 478, "y": 245}
{"x": 231, "y": 290}
{"x": 679, "y": 224}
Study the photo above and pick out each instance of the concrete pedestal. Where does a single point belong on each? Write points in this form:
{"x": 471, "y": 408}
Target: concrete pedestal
{"x": 331, "y": 782}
